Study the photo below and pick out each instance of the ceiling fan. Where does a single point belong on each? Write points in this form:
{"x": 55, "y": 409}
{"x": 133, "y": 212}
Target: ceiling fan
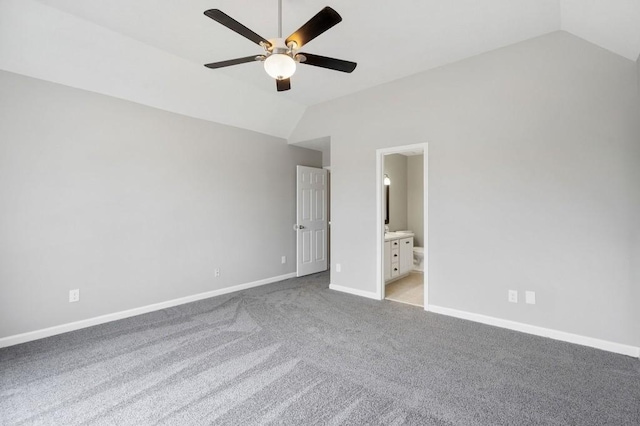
{"x": 281, "y": 55}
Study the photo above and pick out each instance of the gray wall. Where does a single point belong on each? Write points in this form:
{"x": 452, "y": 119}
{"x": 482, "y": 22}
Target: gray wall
{"x": 415, "y": 198}
{"x": 532, "y": 182}
{"x": 635, "y": 251}
{"x": 638, "y": 70}
{"x": 131, "y": 205}
{"x": 395, "y": 165}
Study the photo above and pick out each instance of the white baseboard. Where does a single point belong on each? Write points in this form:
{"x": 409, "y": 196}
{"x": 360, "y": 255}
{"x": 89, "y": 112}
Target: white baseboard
{"x": 362, "y": 293}
{"x": 540, "y": 331}
{"x": 63, "y": 328}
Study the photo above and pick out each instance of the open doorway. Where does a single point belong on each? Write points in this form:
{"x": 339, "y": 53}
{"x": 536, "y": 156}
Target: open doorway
{"x": 402, "y": 182}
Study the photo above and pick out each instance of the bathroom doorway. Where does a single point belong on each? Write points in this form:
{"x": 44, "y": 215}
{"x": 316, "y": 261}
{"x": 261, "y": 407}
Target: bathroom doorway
{"x": 402, "y": 182}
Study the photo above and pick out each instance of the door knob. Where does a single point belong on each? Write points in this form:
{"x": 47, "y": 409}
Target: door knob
{"x": 298, "y": 226}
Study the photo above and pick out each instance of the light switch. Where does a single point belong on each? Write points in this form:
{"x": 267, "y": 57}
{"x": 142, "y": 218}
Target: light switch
{"x": 530, "y": 297}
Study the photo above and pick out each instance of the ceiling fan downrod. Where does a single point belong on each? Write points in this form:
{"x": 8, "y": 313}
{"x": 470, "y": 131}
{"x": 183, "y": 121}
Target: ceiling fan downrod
{"x": 279, "y": 18}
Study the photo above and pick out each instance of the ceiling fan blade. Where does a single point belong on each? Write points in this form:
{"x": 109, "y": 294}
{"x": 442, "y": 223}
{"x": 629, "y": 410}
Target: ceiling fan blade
{"x": 283, "y": 85}
{"x": 230, "y": 62}
{"x": 226, "y": 20}
{"x": 320, "y": 23}
{"x": 325, "y": 62}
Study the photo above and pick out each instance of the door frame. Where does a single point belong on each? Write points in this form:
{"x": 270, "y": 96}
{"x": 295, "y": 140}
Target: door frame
{"x": 380, "y": 153}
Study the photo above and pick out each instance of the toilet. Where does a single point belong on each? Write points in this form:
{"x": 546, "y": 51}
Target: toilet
{"x": 418, "y": 259}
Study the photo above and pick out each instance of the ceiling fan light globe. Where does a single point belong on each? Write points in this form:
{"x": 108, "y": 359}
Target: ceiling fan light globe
{"x": 280, "y": 66}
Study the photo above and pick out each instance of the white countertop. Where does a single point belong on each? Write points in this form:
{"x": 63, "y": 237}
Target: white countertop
{"x": 388, "y": 236}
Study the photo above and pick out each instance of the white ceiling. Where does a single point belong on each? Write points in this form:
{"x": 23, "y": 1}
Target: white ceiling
{"x": 612, "y": 24}
{"x": 389, "y": 40}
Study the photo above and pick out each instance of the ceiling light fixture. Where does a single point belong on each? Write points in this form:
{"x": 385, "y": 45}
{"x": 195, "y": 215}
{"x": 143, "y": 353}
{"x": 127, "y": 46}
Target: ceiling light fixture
{"x": 280, "y": 66}
{"x": 279, "y": 62}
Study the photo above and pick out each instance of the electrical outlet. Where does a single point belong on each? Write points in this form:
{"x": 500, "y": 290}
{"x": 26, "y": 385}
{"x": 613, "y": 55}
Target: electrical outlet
{"x": 284, "y": 259}
{"x": 74, "y": 295}
{"x": 216, "y": 272}
{"x": 530, "y": 297}
{"x": 338, "y": 267}
{"x": 513, "y": 296}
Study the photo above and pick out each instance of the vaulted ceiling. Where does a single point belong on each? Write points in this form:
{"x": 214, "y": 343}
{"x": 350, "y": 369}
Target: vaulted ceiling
{"x": 153, "y": 51}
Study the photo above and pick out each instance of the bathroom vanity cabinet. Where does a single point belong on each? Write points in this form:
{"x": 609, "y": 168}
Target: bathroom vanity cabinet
{"x": 398, "y": 256}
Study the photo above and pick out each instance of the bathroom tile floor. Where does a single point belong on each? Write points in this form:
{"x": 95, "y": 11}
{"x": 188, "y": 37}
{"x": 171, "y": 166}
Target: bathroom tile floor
{"x": 409, "y": 289}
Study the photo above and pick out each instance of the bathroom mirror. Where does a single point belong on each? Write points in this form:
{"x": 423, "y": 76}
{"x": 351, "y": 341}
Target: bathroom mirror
{"x": 386, "y": 204}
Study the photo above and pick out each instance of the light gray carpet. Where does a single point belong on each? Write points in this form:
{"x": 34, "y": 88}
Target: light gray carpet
{"x": 296, "y": 352}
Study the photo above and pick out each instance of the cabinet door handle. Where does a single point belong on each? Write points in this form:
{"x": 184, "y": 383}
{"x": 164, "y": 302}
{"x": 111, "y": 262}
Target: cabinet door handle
{"x": 406, "y": 242}
{"x": 395, "y": 255}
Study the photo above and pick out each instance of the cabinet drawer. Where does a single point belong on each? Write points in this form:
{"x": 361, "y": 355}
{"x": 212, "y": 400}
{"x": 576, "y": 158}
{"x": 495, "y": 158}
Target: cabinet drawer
{"x": 407, "y": 242}
{"x": 395, "y": 254}
{"x": 395, "y": 269}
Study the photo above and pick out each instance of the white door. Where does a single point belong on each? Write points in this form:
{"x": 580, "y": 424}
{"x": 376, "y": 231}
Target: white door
{"x": 311, "y": 226}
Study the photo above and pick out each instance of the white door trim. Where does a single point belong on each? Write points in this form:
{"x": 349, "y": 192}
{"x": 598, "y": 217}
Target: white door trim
{"x": 380, "y": 153}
